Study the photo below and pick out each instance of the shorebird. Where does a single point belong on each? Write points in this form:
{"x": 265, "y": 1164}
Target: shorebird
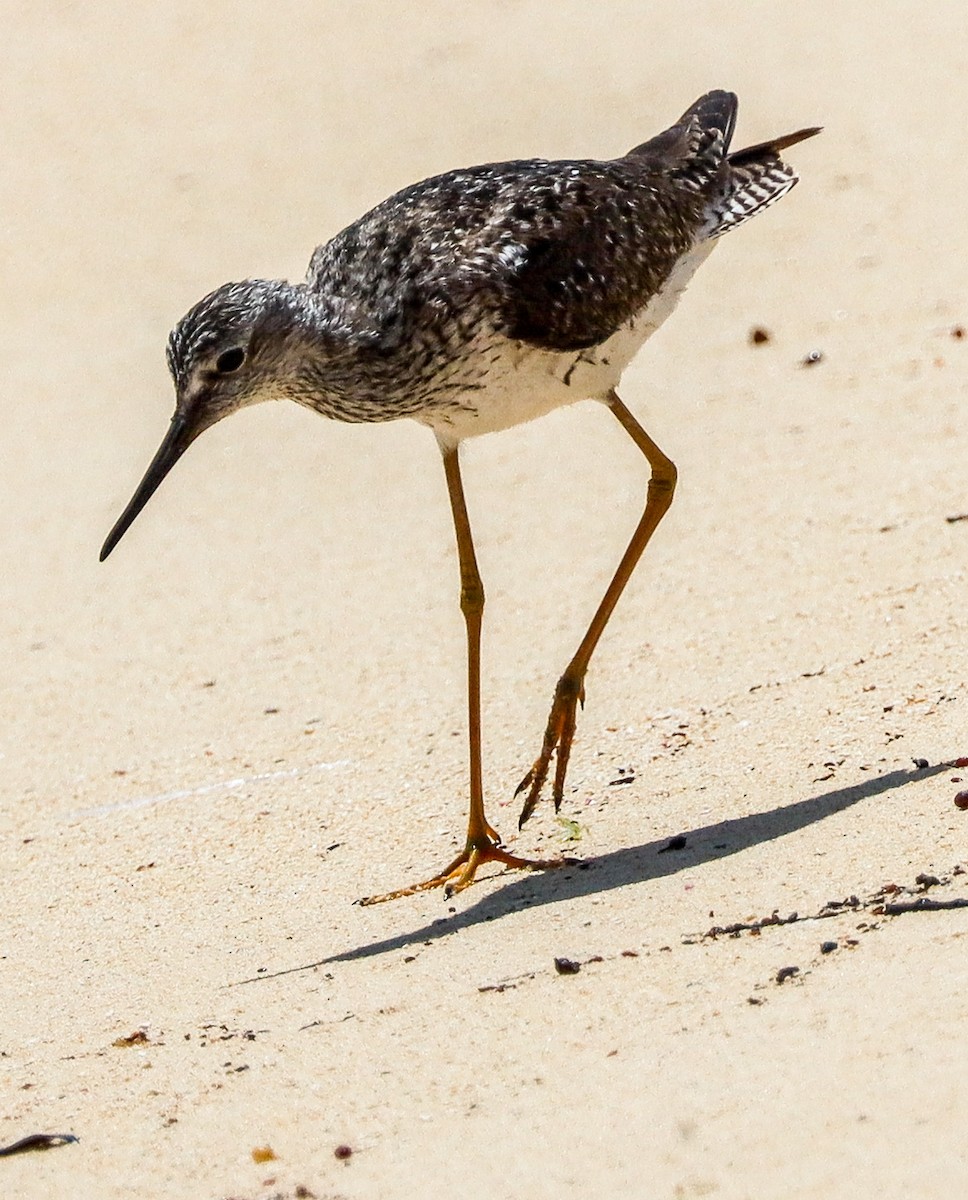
{"x": 471, "y": 302}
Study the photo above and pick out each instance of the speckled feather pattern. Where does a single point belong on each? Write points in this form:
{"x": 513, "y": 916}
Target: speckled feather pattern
{"x": 478, "y": 285}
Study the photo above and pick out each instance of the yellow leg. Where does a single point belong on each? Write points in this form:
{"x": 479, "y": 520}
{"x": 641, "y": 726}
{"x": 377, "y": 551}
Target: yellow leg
{"x": 483, "y": 843}
{"x": 570, "y": 692}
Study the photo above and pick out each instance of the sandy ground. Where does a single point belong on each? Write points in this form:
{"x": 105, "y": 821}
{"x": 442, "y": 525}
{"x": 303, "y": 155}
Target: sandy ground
{"x": 253, "y": 713}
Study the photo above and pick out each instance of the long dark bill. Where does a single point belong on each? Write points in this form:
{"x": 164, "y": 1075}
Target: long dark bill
{"x": 177, "y": 440}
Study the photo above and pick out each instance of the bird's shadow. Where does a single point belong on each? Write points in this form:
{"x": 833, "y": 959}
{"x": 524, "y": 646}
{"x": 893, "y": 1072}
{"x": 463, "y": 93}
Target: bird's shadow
{"x": 634, "y": 864}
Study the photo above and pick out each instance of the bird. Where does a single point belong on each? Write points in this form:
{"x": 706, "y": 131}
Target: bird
{"x": 471, "y": 302}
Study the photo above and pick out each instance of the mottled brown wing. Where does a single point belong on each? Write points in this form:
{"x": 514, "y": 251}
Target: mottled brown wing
{"x": 616, "y": 231}
{"x": 621, "y": 228}
{"x": 558, "y": 254}
{"x": 700, "y": 138}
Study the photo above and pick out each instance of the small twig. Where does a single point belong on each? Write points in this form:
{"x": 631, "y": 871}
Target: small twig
{"x": 504, "y": 985}
{"x": 924, "y": 904}
{"x": 752, "y": 926}
{"x": 876, "y": 905}
{"x": 38, "y": 1141}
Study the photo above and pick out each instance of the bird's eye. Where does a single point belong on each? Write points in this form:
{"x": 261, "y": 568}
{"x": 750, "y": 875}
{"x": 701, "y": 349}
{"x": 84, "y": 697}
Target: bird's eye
{"x": 230, "y": 360}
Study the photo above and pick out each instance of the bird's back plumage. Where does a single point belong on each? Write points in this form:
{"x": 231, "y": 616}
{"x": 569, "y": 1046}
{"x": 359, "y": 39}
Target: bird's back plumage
{"x": 559, "y": 254}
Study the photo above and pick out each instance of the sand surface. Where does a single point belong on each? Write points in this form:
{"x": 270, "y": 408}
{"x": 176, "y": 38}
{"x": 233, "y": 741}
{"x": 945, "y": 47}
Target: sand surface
{"x": 253, "y": 713}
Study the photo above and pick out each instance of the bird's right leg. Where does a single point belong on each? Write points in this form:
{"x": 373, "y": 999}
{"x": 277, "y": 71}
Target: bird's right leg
{"x": 570, "y": 692}
{"x": 483, "y": 843}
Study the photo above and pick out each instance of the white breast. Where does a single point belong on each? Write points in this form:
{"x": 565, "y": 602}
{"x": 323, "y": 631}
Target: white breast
{"x": 522, "y": 383}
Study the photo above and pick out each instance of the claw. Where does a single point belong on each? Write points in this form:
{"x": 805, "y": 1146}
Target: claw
{"x": 558, "y": 737}
{"x": 460, "y": 873}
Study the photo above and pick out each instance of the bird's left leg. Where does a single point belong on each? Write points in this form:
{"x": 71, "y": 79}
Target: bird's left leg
{"x": 483, "y": 843}
{"x": 570, "y": 691}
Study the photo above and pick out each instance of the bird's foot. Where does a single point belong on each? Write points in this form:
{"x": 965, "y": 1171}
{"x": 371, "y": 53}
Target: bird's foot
{"x": 559, "y": 735}
{"x": 460, "y": 873}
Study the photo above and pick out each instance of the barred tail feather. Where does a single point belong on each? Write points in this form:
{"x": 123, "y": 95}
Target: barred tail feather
{"x": 755, "y": 178}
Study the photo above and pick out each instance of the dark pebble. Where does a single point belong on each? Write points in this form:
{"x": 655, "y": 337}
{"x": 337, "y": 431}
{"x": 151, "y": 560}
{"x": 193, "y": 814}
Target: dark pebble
{"x": 674, "y": 843}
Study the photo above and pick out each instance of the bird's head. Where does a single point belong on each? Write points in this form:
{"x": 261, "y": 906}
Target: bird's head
{"x": 237, "y": 346}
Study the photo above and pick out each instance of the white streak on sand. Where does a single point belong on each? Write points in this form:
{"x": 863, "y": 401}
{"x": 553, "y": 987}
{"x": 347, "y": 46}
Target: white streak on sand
{"x": 205, "y": 789}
